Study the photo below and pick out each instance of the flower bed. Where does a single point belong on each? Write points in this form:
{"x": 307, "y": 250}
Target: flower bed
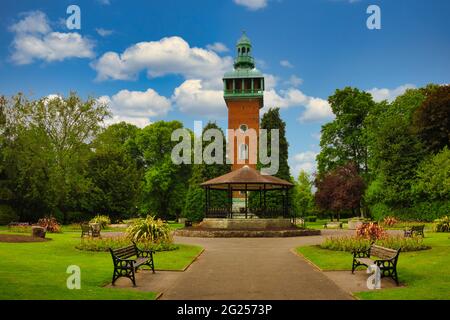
{"x": 350, "y": 244}
{"x": 103, "y": 244}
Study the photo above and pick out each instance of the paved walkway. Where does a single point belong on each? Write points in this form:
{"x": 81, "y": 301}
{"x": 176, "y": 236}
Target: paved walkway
{"x": 252, "y": 268}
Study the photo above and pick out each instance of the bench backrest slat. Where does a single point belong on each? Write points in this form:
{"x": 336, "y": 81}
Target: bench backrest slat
{"x": 381, "y": 252}
{"x": 417, "y": 228}
{"x": 125, "y": 252}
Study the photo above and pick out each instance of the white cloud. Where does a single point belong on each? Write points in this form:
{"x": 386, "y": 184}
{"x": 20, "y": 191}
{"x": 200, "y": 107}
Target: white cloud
{"x": 34, "y": 39}
{"x": 294, "y": 81}
{"x": 305, "y": 161}
{"x": 252, "y": 4}
{"x": 270, "y": 81}
{"x": 286, "y": 64}
{"x": 217, "y": 47}
{"x": 316, "y": 109}
{"x": 137, "y": 107}
{"x": 171, "y": 55}
{"x": 191, "y": 97}
{"x": 389, "y": 94}
{"x": 104, "y": 32}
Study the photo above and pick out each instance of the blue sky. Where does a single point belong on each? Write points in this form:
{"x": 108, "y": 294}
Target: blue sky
{"x": 153, "y": 60}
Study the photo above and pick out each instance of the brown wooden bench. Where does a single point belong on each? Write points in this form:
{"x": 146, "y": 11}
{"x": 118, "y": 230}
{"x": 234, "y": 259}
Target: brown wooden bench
{"x": 128, "y": 259}
{"x": 386, "y": 259}
{"x": 88, "y": 230}
{"x": 414, "y": 230}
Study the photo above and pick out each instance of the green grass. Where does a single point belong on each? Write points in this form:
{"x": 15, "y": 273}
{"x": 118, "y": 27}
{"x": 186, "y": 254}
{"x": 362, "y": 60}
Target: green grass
{"x": 318, "y": 224}
{"x": 38, "y": 270}
{"x": 426, "y": 274}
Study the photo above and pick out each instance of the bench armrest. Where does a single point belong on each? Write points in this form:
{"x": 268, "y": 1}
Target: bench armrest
{"x": 144, "y": 253}
{"x": 361, "y": 253}
{"x": 124, "y": 263}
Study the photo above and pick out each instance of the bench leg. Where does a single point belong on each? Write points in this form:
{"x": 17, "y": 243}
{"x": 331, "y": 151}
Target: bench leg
{"x": 354, "y": 266}
{"x": 114, "y": 277}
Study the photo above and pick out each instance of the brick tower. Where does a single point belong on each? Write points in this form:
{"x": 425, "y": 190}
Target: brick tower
{"x": 244, "y": 96}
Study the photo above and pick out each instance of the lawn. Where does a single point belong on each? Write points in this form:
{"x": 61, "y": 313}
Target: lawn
{"x": 426, "y": 274}
{"x": 318, "y": 224}
{"x": 38, "y": 270}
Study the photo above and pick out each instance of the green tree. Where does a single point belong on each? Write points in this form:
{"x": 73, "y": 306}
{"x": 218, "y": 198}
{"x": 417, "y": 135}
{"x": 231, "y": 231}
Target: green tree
{"x": 115, "y": 183}
{"x": 164, "y": 183}
{"x": 48, "y": 150}
{"x": 344, "y": 139}
{"x": 432, "y": 119}
{"x": 395, "y": 150}
{"x": 433, "y": 178}
{"x": 303, "y": 199}
{"x": 272, "y": 120}
{"x": 195, "y": 199}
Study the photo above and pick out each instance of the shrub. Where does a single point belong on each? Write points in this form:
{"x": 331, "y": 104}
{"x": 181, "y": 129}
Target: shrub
{"x": 149, "y": 231}
{"x": 20, "y": 229}
{"x": 350, "y": 244}
{"x": 103, "y": 221}
{"x": 50, "y": 224}
{"x": 103, "y": 244}
{"x": 311, "y": 218}
{"x": 442, "y": 225}
{"x": 7, "y": 214}
{"x": 371, "y": 231}
{"x": 389, "y": 221}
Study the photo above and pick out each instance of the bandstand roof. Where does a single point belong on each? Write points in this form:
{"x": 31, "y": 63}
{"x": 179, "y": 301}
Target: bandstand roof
{"x": 246, "y": 178}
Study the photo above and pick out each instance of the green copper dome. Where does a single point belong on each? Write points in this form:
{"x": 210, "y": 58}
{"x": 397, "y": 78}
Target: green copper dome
{"x": 244, "y": 40}
{"x": 244, "y": 81}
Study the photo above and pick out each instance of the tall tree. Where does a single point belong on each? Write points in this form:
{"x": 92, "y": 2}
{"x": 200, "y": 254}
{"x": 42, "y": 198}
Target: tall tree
{"x": 303, "y": 199}
{"x": 432, "y": 120}
{"x": 340, "y": 189}
{"x": 395, "y": 150}
{"x": 164, "y": 183}
{"x": 195, "y": 198}
{"x": 272, "y": 120}
{"x": 344, "y": 139}
{"x": 113, "y": 172}
{"x": 50, "y": 138}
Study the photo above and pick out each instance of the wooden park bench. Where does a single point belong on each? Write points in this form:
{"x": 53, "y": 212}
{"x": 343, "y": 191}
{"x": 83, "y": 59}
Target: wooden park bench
{"x": 414, "y": 230}
{"x": 386, "y": 260}
{"x": 89, "y": 230}
{"x": 128, "y": 259}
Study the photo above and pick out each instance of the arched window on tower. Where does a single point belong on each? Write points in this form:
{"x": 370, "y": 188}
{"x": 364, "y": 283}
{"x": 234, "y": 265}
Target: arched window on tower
{"x": 243, "y": 151}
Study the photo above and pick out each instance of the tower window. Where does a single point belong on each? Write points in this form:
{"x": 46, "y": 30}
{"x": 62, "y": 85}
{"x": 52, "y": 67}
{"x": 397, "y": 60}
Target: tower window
{"x": 243, "y": 127}
{"x": 243, "y": 152}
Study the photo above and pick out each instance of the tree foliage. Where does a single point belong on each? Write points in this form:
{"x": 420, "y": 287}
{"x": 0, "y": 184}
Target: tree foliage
{"x": 340, "y": 189}
{"x": 432, "y": 120}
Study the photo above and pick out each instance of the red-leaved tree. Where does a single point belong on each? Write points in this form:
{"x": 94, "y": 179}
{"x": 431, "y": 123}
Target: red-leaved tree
{"x": 340, "y": 189}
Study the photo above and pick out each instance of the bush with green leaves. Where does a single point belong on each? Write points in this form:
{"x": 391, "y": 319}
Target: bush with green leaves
{"x": 350, "y": 244}
{"x": 149, "y": 231}
{"x": 7, "y": 214}
{"x": 442, "y": 225}
{"x": 104, "y": 244}
{"x": 102, "y": 220}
